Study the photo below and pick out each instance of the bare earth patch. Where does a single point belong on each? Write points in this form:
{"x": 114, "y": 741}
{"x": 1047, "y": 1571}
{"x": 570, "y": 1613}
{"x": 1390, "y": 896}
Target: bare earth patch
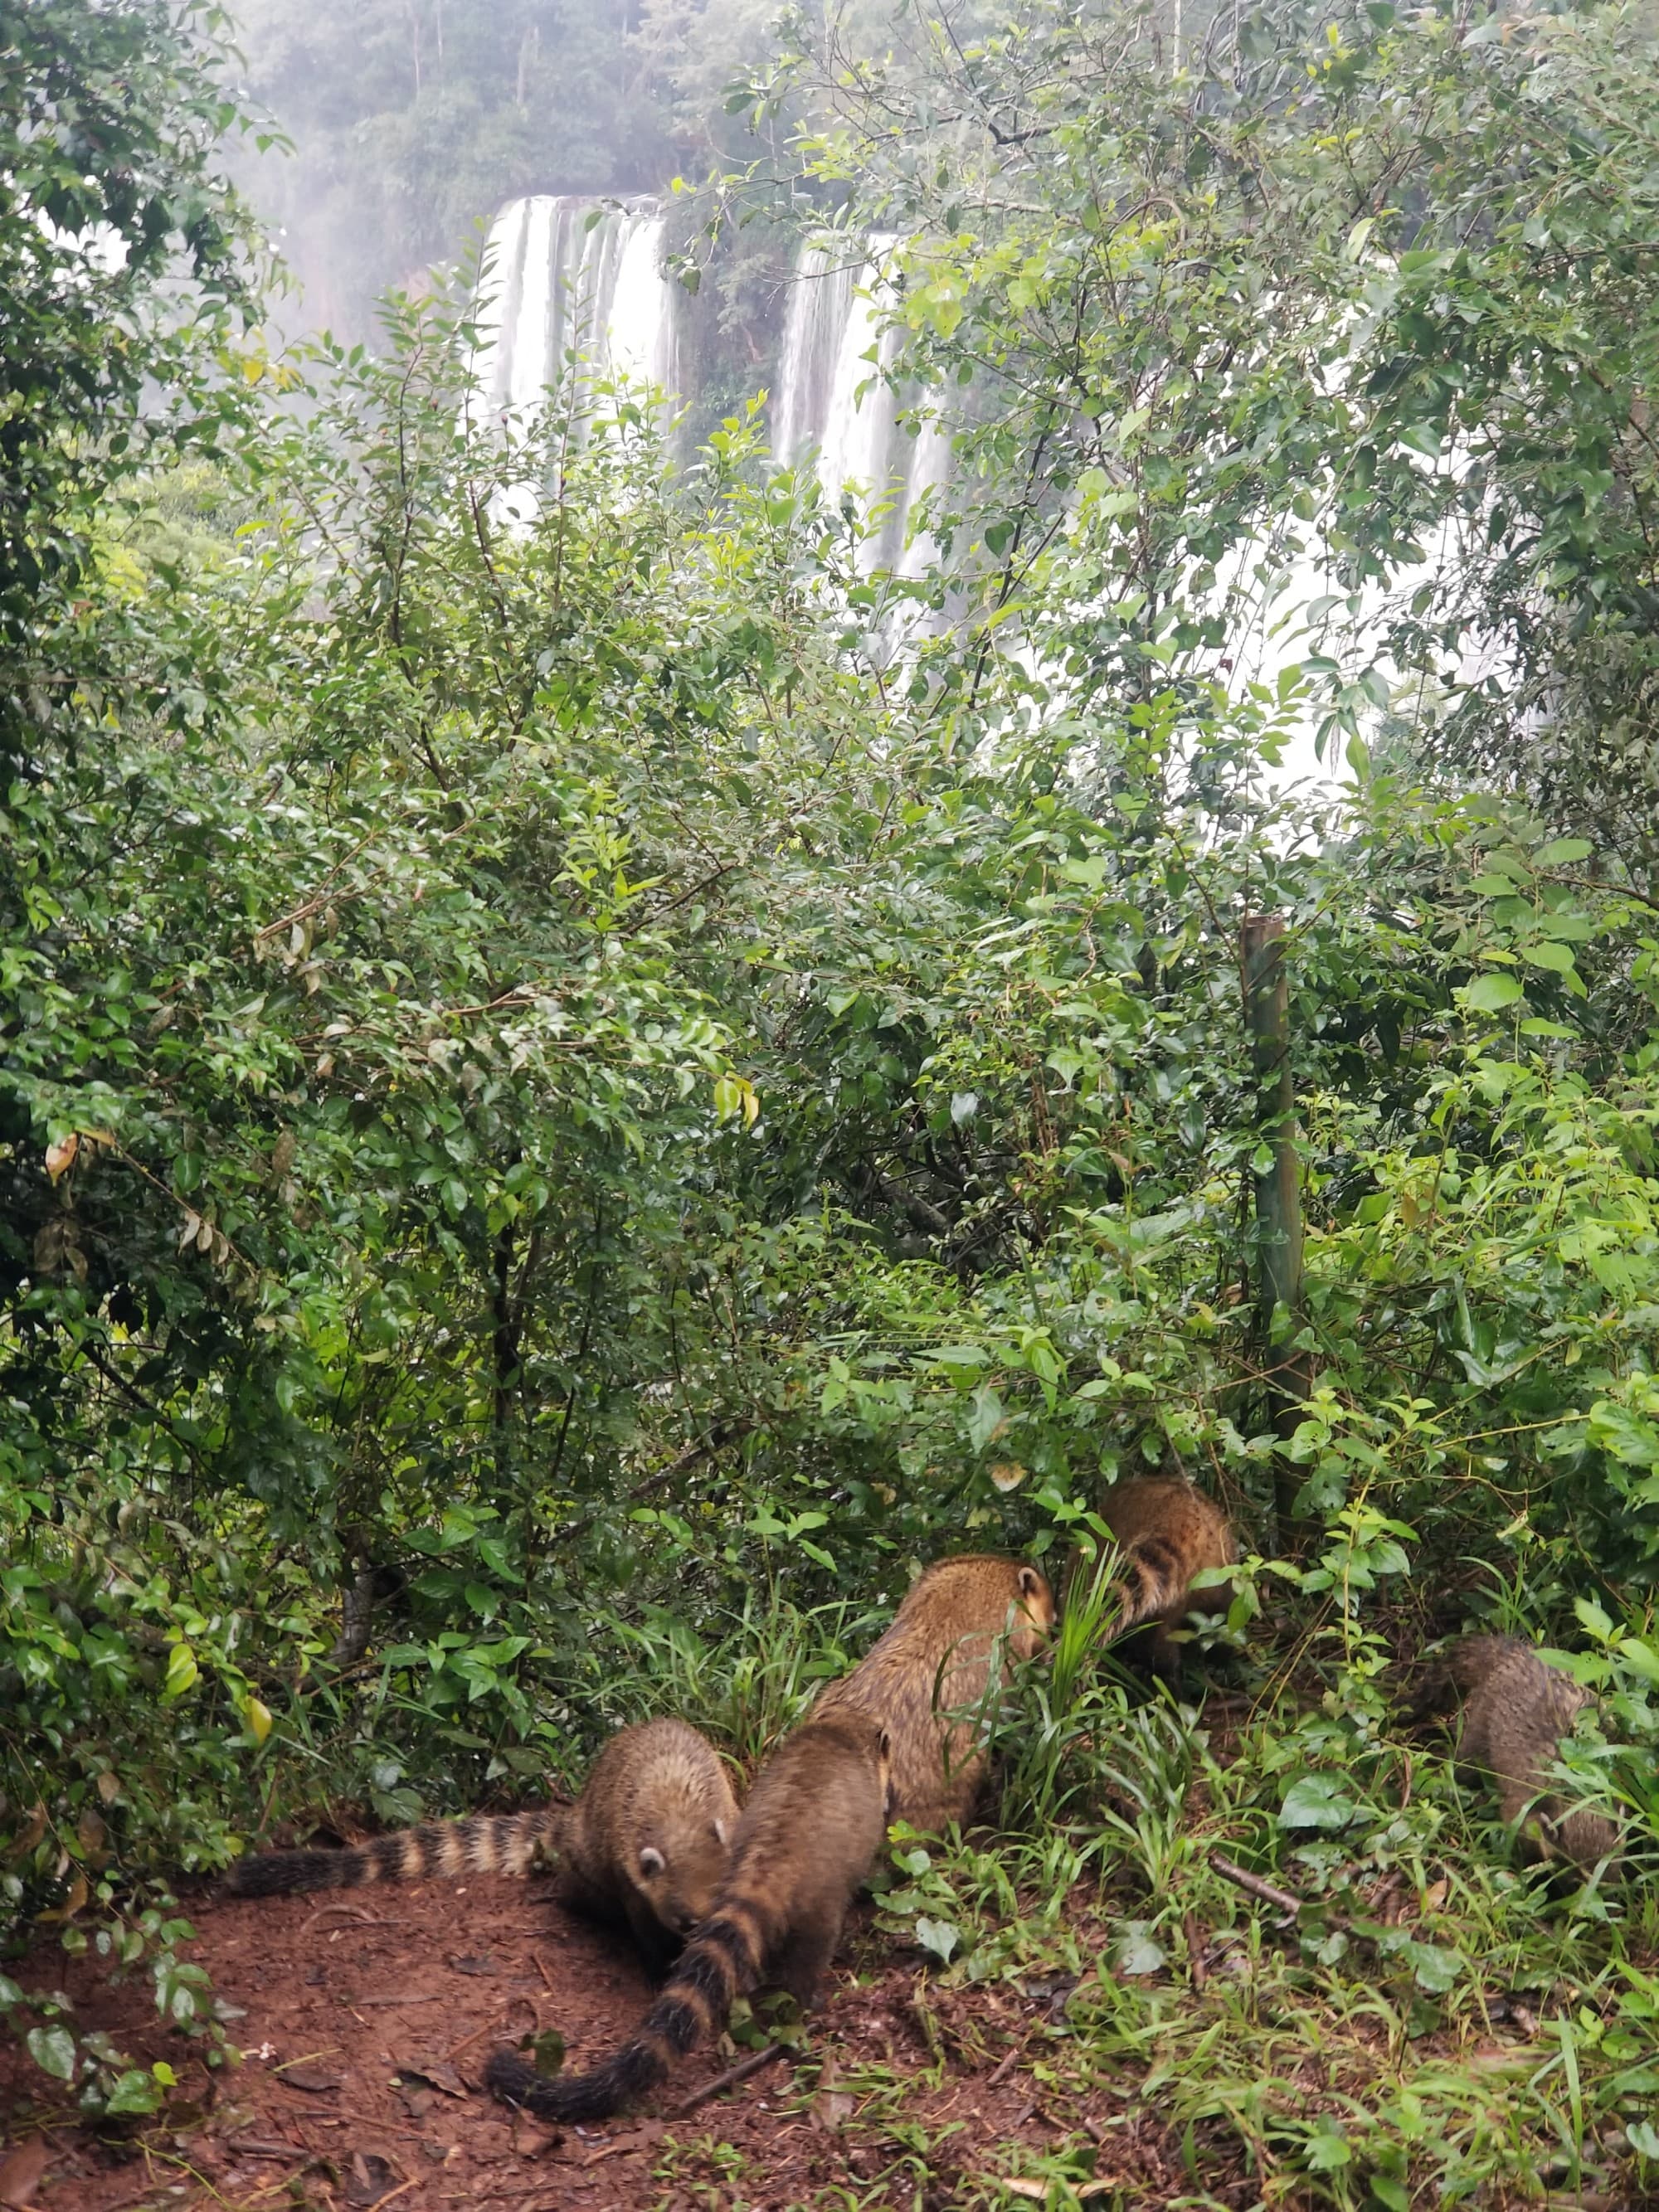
{"x": 367, "y": 2019}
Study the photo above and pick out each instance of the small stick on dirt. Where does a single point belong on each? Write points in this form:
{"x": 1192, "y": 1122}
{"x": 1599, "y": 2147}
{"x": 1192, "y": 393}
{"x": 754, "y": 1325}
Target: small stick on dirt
{"x": 610, "y": 2150}
{"x": 1195, "y": 1966}
{"x": 541, "y": 1970}
{"x": 1005, "y": 2066}
{"x": 467, "y": 2041}
{"x": 401, "y": 2190}
{"x": 730, "y": 2078}
{"x": 1253, "y": 1885}
{"x": 352, "y": 1912}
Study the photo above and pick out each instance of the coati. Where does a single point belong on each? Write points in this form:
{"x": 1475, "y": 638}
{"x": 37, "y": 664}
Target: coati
{"x": 814, "y": 1822}
{"x": 646, "y": 1841}
{"x": 1169, "y": 1534}
{"x": 1517, "y": 1710}
{"x": 925, "y": 1680}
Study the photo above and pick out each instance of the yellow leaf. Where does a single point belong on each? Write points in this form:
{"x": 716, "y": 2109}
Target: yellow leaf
{"x": 257, "y": 1717}
{"x": 60, "y": 1156}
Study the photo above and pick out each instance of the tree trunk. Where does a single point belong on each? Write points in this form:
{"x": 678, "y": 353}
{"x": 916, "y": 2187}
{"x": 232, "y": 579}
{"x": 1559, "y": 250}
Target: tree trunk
{"x": 1278, "y": 1200}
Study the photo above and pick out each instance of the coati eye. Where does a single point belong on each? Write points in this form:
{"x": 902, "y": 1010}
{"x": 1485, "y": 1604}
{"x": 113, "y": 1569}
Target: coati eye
{"x": 652, "y": 1860}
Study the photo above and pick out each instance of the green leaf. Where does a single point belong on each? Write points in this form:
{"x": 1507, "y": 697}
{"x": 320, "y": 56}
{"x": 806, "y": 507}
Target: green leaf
{"x": 1592, "y": 1617}
{"x": 545, "y": 2051}
{"x": 1317, "y": 1801}
{"x": 1489, "y": 995}
{"x": 1435, "y": 1966}
{"x": 941, "y": 1937}
{"x": 986, "y": 1417}
{"x": 135, "y": 2091}
{"x": 1136, "y": 1951}
{"x": 1562, "y": 852}
{"x": 52, "y": 2049}
{"x": 1327, "y": 2149}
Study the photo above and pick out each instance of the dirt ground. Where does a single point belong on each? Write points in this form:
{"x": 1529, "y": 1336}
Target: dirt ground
{"x": 367, "y": 2017}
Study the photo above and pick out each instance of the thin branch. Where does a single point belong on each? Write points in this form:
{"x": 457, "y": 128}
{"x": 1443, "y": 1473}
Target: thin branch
{"x": 732, "y": 2075}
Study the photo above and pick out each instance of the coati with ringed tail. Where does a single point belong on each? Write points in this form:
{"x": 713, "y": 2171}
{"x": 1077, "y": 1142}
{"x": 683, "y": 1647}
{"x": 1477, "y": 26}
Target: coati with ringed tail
{"x": 926, "y": 1677}
{"x": 1517, "y": 1710}
{"x": 647, "y": 1842}
{"x": 814, "y": 1822}
{"x": 1169, "y": 1532}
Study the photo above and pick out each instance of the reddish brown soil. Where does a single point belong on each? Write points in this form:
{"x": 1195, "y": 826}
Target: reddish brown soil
{"x": 344, "y": 1995}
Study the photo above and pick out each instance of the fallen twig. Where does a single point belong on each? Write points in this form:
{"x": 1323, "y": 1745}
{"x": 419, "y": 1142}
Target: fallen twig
{"x": 730, "y": 2078}
{"x": 352, "y": 1912}
{"x": 401, "y": 2190}
{"x": 610, "y": 2150}
{"x": 1195, "y": 1966}
{"x": 1285, "y": 1900}
{"x": 467, "y": 2041}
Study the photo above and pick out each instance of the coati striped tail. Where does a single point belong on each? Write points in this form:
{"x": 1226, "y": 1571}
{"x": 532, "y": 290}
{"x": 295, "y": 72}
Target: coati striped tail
{"x": 1156, "y": 1581}
{"x": 486, "y": 1844}
{"x": 721, "y": 1962}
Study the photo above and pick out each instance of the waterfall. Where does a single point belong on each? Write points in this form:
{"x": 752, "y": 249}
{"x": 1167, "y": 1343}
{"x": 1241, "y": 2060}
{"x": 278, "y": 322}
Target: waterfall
{"x": 561, "y": 281}
{"x": 820, "y": 301}
{"x": 571, "y": 274}
{"x": 833, "y": 344}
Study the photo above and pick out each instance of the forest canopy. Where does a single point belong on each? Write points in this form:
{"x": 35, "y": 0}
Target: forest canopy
{"x": 578, "y": 1096}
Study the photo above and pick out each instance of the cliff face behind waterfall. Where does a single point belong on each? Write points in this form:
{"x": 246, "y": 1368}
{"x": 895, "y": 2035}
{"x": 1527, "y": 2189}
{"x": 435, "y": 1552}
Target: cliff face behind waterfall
{"x": 412, "y": 120}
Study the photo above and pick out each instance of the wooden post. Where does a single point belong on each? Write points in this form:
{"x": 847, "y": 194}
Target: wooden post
{"x": 1277, "y": 1197}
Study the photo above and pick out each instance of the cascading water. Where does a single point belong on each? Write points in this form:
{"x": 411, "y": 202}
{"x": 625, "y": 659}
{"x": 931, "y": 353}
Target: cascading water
{"x": 570, "y": 276}
{"x": 561, "y": 281}
{"x": 831, "y": 396}
{"x": 820, "y": 303}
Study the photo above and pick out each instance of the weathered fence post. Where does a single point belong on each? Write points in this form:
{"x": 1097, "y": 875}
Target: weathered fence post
{"x": 1277, "y": 1197}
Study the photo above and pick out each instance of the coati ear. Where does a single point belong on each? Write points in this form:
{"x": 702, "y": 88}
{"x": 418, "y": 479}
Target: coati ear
{"x": 1030, "y": 1583}
{"x": 885, "y": 1740}
{"x": 721, "y": 1836}
{"x": 652, "y": 1860}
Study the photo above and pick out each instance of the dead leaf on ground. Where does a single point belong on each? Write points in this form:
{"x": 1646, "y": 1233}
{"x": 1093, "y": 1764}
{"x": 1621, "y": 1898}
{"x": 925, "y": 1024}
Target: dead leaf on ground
{"x": 21, "y": 2172}
{"x": 370, "y": 2178}
{"x": 316, "y": 2079}
{"x": 482, "y": 1963}
{"x": 432, "y": 2074}
{"x": 832, "y": 2106}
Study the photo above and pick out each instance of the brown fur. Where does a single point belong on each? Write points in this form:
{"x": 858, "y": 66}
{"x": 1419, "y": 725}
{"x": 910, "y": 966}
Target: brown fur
{"x": 1169, "y": 1532}
{"x": 815, "y": 1820}
{"x": 646, "y": 1841}
{"x": 1517, "y": 1709}
{"x": 926, "y": 1680}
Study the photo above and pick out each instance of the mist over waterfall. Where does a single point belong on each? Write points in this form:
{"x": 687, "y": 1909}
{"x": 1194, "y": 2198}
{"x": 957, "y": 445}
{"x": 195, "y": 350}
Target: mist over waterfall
{"x": 569, "y": 274}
